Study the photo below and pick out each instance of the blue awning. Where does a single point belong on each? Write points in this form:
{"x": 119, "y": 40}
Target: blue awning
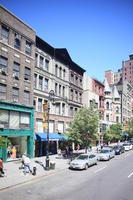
{"x": 52, "y": 137}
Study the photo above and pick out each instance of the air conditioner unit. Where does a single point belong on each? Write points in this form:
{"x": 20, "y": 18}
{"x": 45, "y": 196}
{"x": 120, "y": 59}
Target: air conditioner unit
{"x": 18, "y": 37}
{"x": 3, "y": 71}
{"x": 15, "y": 100}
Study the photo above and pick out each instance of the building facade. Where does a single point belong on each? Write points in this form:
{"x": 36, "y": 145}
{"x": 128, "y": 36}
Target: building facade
{"x": 55, "y": 71}
{"x": 17, "y": 50}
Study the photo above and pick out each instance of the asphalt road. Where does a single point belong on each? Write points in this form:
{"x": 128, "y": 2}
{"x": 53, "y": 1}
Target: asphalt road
{"x": 110, "y": 180}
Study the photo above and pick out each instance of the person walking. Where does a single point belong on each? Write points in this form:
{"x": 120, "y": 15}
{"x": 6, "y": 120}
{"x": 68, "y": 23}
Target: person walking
{"x": 1, "y": 167}
{"x": 26, "y": 162}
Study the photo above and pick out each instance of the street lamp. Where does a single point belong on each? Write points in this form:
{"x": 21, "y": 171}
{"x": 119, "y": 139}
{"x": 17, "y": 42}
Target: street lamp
{"x": 51, "y": 98}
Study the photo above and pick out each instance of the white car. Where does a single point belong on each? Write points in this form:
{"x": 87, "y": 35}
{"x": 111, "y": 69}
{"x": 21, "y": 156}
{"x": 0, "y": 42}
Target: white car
{"x": 127, "y": 146}
{"x": 106, "y": 154}
{"x": 83, "y": 161}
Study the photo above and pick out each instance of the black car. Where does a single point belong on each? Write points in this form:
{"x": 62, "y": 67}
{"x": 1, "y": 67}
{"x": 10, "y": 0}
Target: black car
{"x": 118, "y": 149}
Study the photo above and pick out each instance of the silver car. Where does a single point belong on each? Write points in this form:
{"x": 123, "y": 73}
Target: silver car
{"x": 83, "y": 161}
{"x": 106, "y": 154}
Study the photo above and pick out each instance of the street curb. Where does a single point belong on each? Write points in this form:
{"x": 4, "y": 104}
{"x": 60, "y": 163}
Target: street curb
{"x": 31, "y": 180}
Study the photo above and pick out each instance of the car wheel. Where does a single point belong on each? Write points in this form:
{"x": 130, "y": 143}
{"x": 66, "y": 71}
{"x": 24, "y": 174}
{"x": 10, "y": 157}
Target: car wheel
{"x": 86, "y": 166}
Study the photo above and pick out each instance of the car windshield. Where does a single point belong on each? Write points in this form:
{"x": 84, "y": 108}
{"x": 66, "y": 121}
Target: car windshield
{"x": 82, "y": 157}
{"x": 125, "y": 144}
{"x": 105, "y": 151}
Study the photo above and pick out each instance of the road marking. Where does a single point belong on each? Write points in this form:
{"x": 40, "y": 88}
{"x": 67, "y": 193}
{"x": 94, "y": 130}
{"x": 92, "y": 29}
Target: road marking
{"x": 130, "y": 175}
{"x": 100, "y": 169}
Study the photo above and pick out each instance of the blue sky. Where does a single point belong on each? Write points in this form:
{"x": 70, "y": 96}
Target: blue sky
{"x": 98, "y": 34}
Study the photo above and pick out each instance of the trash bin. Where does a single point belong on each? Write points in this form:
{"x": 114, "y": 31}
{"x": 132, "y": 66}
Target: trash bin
{"x": 34, "y": 171}
{"x": 52, "y": 165}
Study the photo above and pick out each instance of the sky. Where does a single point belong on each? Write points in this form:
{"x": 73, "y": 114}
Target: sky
{"x": 98, "y": 34}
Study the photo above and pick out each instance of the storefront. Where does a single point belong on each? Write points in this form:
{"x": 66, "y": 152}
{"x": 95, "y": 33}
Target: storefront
{"x": 17, "y": 125}
{"x": 40, "y": 143}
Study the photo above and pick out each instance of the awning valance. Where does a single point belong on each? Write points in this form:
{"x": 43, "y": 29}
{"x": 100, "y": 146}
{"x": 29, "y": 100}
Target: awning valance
{"x": 52, "y": 137}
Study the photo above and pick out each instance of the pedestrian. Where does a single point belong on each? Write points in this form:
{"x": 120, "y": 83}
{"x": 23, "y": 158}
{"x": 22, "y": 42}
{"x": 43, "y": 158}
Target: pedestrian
{"x": 26, "y": 161}
{"x": 13, "y": 151}
{"x": 1, "y": 167}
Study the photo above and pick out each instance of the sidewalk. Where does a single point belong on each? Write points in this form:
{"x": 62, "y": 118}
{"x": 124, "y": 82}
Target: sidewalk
{"x": 15, "y": 176}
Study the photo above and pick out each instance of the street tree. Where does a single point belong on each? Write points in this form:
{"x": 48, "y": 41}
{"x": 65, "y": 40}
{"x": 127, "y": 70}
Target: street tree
{"x": 130, "y": 129}
{"x": 84, "y": 128}
{"x": 116, "y": 131}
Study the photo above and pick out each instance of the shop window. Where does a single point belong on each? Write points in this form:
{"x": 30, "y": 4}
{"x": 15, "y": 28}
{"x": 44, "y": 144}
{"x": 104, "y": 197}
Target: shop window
{"x": 14, "y": 120}
{"x": 4, "y": 118}
{"x": 25, "y": 120}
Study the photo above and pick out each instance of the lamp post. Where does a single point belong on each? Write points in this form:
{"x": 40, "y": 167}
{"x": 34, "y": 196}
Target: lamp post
{"x": 51, "y": 98}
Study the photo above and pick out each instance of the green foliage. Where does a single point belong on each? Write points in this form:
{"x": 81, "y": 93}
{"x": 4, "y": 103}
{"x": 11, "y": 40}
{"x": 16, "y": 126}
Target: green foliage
{"x": 114, "y": 133}
{"x": 130, "y": 129}
{"x": 83, "y": 130}
{"x": 3, "y": 142}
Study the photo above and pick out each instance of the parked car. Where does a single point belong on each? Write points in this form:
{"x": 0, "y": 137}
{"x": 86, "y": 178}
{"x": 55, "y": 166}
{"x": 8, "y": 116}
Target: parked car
{"x": 127, "y": 146}
{"x": 119, "y": 149}
{"x": 83, "y": 161}
{"x": 106, "y": 153}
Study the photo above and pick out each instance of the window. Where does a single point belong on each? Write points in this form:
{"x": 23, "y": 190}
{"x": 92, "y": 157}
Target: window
{"x": 107, "y": 117}
{"x": 26, "y": 97}
{"x": 27, "y": 73}
{"x": 4, "y": 117}
{"x": 117, "y": 109}
{"x": 45, "y": 84}
{"x": 80, "y": 98}
{"x": 64, "y": 73}
{"x": 71, "y": 95}
{"x": 36, "y": 60}
{"x": 76, "y": 95}
{"x": 28, "y": 48}
{"x": 2, "y": 91}
{"x": 24, "y": 120}
{"x": 63, "y": 91}
{"x": 17, "y": 41}
{"x": 16, "y": 68}
{"x": 56, "y": 88}
{"x": 63, "y": 109}
{"x": 81, "y": 82}
{"x": 60, "y": 72}
{"x": 76, "y": 80}
{"x": 71, "y": 111}
{"x": 14, "y": 120}
{"x": 3, "y": 63}
{"x": 41, "y": 62}
{"x": 72, "y": 78}
{"x": 56, "y": 70}
{"x": 47, "y": 65}
{"x": 40, "y": 82}
{"x": 5, "y": 34}
{"x": 60, "y": 126}
{"x": 40, "y": 105}
{"x": 107, "y": 105}
{"x": 51, "y": 126}
{"x": 39, "y": 125}
{"x": 59, "y": 90}
{"x": 35, "y": 80}
{"x": 117, "y": 119}
{"x": 57, "y": 108}
{"x": 15, "y": 94}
